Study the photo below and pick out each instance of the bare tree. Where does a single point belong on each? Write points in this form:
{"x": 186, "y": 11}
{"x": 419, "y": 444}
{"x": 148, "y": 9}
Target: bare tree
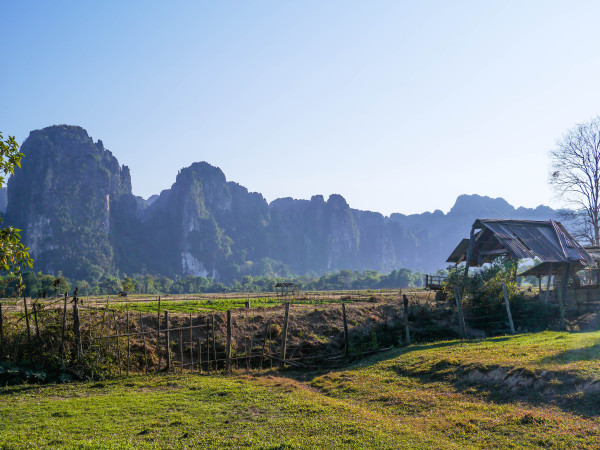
{"x": 575, "y": 178}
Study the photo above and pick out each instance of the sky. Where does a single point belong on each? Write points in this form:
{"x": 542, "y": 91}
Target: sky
{"x": 399, "y": 106}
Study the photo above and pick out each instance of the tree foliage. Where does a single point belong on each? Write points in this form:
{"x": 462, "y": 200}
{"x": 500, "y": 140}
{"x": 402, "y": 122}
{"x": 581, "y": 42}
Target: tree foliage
{"x": 13, "y": 254}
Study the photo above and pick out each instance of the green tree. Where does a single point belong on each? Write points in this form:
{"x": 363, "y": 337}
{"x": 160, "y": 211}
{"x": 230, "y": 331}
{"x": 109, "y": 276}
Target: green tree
{"x": 13, "y": 254}
{"x": 128, "y": 284}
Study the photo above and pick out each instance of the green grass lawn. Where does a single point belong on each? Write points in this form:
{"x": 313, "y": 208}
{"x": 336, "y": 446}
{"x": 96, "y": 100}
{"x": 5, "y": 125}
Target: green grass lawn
{"x": 418, "y": 397}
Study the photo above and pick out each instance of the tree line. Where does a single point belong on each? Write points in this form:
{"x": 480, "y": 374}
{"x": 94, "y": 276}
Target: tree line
{"x": 34, "y": 285}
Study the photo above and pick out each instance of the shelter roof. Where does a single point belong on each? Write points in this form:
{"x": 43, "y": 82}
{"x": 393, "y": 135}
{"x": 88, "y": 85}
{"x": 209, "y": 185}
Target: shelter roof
{"x": 546, "y": 241}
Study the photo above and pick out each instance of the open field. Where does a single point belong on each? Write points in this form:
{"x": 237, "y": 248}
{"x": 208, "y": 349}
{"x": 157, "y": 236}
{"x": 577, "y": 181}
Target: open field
{"x": 202, "y": 303}
{"x": 538, "y": 390}
{"x": 222, "y": 302}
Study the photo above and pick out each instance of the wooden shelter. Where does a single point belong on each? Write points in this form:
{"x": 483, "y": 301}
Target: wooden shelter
{"x": 286, "y": 288}
{"x": 545, "y": 241}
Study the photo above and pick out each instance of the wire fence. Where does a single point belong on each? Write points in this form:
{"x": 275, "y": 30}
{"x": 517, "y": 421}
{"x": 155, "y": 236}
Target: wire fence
{"x": 100, "y": 340}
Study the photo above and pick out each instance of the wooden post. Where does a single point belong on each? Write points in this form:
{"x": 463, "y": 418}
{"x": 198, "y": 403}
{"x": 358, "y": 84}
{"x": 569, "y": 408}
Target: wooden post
{"x": 1, "y": 332}
{"x": 128, "y": 339}
{"x": 562, "y": 298}
{"x": 142, "y": 328}
{"x": 191, "y": 346}
{"x": 118, "y": 346}
{"x": 346, "y": 340}
{"x": 158, "y": 337}
{"x": 262, "y": 356}
{"x": 406, "y": 328}
{"x": 270, "y": 341}
{"x": 180, "y": 348}
{"x": 64, "y": 326}
{"x": 285, "y": 332}
{"x": 228, "y": 348}
{"x": 35, "y": 318}
{"x": 468, "y": 261}
{"x": 207, "y": 345}
{"x": 200, "y": 355}
{"x": 540, "y": 285}
{"x": 461, "y": 318}
{"x": 214, "y": 341}
{"x": 507, "y": 303}
{"x": 27, "y": 325}
{"x": 548, "y": 284}
{"x": 168, "y": 344}
{"x": 77, "y": 330}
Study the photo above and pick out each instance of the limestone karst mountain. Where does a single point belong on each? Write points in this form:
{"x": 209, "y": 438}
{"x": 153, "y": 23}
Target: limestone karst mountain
{"x": 75, "y": 205}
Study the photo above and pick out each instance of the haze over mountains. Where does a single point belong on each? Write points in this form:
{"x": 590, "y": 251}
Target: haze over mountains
{"x": 74, "y": 203}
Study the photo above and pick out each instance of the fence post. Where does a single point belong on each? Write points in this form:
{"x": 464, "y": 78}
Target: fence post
{"x": 142, "y": 328}
{"x": 461, "y": 318}
{"x": 27, "y": 324}
{"x": 64, "y": 326}
{"x": 346, "y": 340}
{"x": 406, "y": 329}
{"x": 200, "y": 354}
{"x": 191, "y": 345}
{"x": 228, "y": 348}
{"x": 128, "y": 339}
{"x": 168, "y": 344}
{"x": 262, "y": 355}
{"x": 212, "y": 321}
{"x": 158, "y": 337}
{"x": 118, "y": 343}
{"x": 35, "y": 318}
{"x": 285, "y": 332}
{"x": 207, "y": 345}
{"x": 77, "y": 330}
{"x": 1, "y": 333}
{"x": 507, "y": 303}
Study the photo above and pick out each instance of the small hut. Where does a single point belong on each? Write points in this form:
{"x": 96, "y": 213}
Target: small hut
{"x": 546, "y": 241}
{"x": 286, "y": 288}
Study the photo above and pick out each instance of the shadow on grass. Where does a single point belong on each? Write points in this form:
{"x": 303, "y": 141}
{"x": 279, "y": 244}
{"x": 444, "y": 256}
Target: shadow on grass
{"x": 564, "y": 393}
{"x": 589, "y": 353}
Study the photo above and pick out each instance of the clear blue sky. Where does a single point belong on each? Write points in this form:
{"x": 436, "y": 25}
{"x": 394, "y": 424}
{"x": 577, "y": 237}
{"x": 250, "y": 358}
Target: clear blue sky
{"x": 398, "y": 106}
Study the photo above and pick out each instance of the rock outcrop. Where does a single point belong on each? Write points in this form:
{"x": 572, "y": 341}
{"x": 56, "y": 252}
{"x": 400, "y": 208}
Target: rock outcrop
{"x": 75, "y": 206}
{"x": 62, "y": 199}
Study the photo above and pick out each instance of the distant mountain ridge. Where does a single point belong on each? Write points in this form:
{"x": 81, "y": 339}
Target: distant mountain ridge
{"x": 75, "y": 205}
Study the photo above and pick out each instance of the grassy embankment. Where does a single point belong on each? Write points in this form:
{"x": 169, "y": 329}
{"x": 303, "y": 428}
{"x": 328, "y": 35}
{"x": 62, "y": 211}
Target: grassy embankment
{"x": 524, "y": 391}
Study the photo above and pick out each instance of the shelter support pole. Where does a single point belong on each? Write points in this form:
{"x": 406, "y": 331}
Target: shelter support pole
{"x": 468, "y": 261}
{"x": 507, "y": 303}
{"x": 562, "y": 299}
{"x": 548, "y": 284}
{"x": 461, "y": 317}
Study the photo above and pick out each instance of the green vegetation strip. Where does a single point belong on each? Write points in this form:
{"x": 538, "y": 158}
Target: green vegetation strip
{"x": 192, "y": 306}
